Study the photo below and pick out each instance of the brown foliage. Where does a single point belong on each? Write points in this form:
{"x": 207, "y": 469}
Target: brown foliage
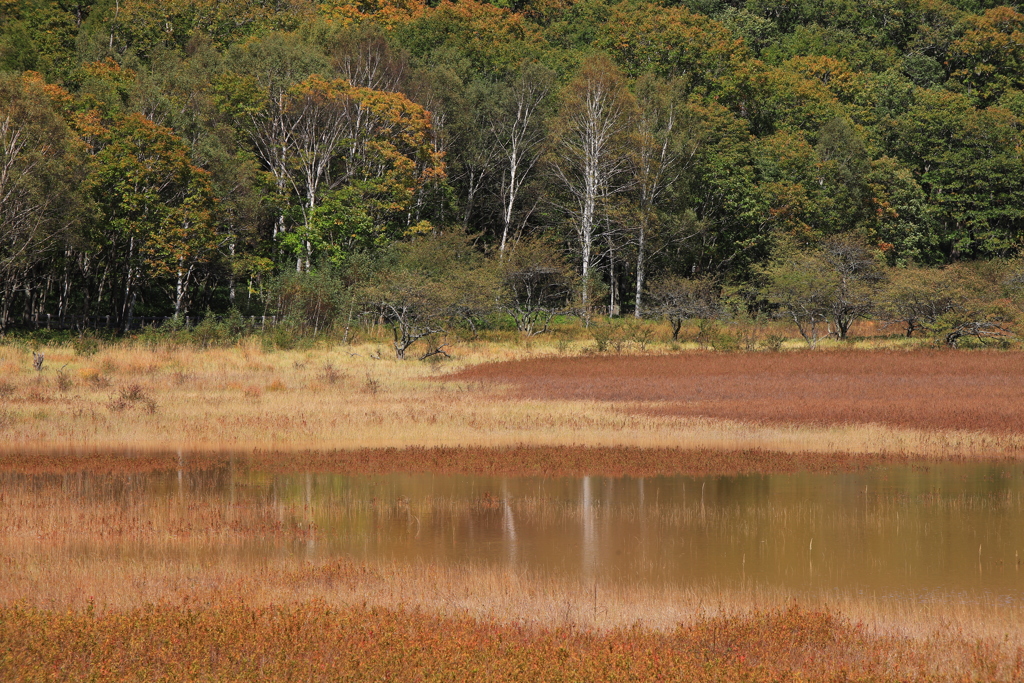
{"x": 926, "y": 389}
{"x": 553, "y": 461}
{"x": 313, "y": 641}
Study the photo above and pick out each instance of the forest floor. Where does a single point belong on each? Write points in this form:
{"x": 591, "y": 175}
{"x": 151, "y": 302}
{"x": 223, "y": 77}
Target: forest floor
{"x": 491, "y": 409}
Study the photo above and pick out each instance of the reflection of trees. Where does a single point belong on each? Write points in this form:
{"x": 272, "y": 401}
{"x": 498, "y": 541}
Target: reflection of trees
{"x": 743, "y": 489}
{"x": 589, "y": 531}
{"x": 508, "y": 525}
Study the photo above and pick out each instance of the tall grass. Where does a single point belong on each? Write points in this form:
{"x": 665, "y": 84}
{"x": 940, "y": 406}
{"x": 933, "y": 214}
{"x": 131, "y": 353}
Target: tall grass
{"x": 314, "y": 642}
{"x": 343, "y": 398}
{"x": 919, "y": 389}
{"x": 102, "y": 592}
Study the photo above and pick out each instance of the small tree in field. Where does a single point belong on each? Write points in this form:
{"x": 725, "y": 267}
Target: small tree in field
{"x": 802, "y": 293}
{"x": 955, "y": 304}
{"x": 836, "y": 283}
{"x": 856, "y": 277}
{"x": 423, "y": 287}
{"x": 680, "y": 299}
{"x": 536, "y": 284}
{"x": 918, "y": 297}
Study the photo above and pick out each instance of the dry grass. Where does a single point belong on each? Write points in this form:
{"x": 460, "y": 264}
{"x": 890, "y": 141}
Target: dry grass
{"x": 921, "y": 389}
{"x": 91, "y": 592}
{"x": 313, "y": 642}
{"x": 213, "y": 622}
{"x": 341, "y": 398}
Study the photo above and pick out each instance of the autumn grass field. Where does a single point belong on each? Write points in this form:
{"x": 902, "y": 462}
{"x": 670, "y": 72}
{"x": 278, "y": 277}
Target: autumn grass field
{"x": 238, "y": 642}
{"x": 496, "y": 409}
{"x": 916, "y": 403}
{"x": 922, "y": 389}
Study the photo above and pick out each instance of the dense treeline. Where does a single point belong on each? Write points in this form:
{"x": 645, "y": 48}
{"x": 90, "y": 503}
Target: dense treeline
{"x": 430, "y": 163}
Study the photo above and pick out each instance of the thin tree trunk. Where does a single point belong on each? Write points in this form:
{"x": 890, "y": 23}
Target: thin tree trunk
{"x": 641, "y": 265}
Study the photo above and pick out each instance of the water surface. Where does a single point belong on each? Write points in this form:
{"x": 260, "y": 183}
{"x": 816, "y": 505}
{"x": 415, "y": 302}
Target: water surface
{"x": 918, "y": 532}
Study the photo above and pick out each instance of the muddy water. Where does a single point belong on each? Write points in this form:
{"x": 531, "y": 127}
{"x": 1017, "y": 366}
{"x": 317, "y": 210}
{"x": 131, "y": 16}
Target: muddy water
{"x": 912, "y": 532}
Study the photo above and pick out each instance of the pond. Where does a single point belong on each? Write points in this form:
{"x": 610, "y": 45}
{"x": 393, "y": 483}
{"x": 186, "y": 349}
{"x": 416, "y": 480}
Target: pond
{"x": 923, "y": 533}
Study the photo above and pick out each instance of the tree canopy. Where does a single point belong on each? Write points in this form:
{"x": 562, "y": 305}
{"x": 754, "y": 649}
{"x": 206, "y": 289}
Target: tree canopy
{"x": 608, "y": 156}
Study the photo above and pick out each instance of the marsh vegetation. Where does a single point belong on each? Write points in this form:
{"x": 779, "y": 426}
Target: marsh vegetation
{"x": 539, "y": 494}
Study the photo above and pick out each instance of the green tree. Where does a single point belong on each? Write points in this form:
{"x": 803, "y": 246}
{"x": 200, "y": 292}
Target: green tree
{"x": 156, "y": 211}
{"x": 680, "y": 299}
{"x": 41, "y": 166}
{"x": 537, "y": 283}
{"x": 425, "y": 286}
{"x": 918, "y": 297}
{"x": 836, "y": 283}
{"x": 967, "y": 162}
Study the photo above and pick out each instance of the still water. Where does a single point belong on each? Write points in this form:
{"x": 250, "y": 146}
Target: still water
{"x": 908, "y": 532}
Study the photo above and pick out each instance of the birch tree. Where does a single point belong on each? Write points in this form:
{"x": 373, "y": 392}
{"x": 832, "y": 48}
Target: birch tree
{"x": 324, "y": 137}
{"x": 519, "y": 136}
{"x": 39, "y": 168}
{"x": 589, "y": 158}
{"x": 265, "y": 71}
{"x": 665, "y": 145}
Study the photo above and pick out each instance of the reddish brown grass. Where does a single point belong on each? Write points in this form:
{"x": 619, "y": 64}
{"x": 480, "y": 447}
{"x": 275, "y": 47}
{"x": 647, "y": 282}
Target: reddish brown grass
{"x": 315, "y": 642}
{"x": 512, "y": 461}
{"x": 923, "y": 389}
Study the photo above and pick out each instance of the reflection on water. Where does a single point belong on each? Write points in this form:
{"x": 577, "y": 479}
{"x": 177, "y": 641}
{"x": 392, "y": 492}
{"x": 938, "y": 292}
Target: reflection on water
{"x": 889, "y": 532}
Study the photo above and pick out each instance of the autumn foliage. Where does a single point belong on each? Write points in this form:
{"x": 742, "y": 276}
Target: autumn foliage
{"x": 314, "y": 642}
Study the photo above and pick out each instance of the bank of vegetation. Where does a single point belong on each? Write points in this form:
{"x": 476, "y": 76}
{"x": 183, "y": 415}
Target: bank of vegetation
{"x": 432, "y": 166}
{"x": 232, "y": 641}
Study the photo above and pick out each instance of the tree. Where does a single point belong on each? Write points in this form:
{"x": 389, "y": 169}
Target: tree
{"x": 799, "y": 286}
{"x": 589, "y": 152}
{"x": 919, "y": 297}
{"x": 156, "y": 209}
{"x": 311, "y": 301}
{"x": 843, "y": 164}
{"x": 681, "y": 299}
{"x": 856, "y": 276}
{"x": 40, "y": 168}
{"x": 365, "y": 152}
{"x": 519, "y": 135}
{"x": 901, "y": 222}
{"x": 838, "y": 282}
{"x": 663, "y": 147}
{"x": 536, "y": 284}
{"x": 988, "y": 56}
{"x": 967, "y": 162}
{"x": 424, "y": 286}
{"x": 255, "y": 91}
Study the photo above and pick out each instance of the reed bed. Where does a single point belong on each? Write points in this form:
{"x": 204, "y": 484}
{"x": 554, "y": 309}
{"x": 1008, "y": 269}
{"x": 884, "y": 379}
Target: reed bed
{"x": 229, "y": 641}
{"x": 517, "y": 461}
{"x": 943, "y": 390}
{"x": 558, "y": 632}
{"x": 343, "y": 398}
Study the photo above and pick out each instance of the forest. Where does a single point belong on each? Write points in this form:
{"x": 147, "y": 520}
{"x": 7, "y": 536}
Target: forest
{"x": 471, "y": 164}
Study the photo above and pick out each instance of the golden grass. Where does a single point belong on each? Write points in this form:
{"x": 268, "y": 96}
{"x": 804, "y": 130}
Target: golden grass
{"x": 313, "y": 641}
{"x": 341, "y": 398}
{"x": 114, "y": 600}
